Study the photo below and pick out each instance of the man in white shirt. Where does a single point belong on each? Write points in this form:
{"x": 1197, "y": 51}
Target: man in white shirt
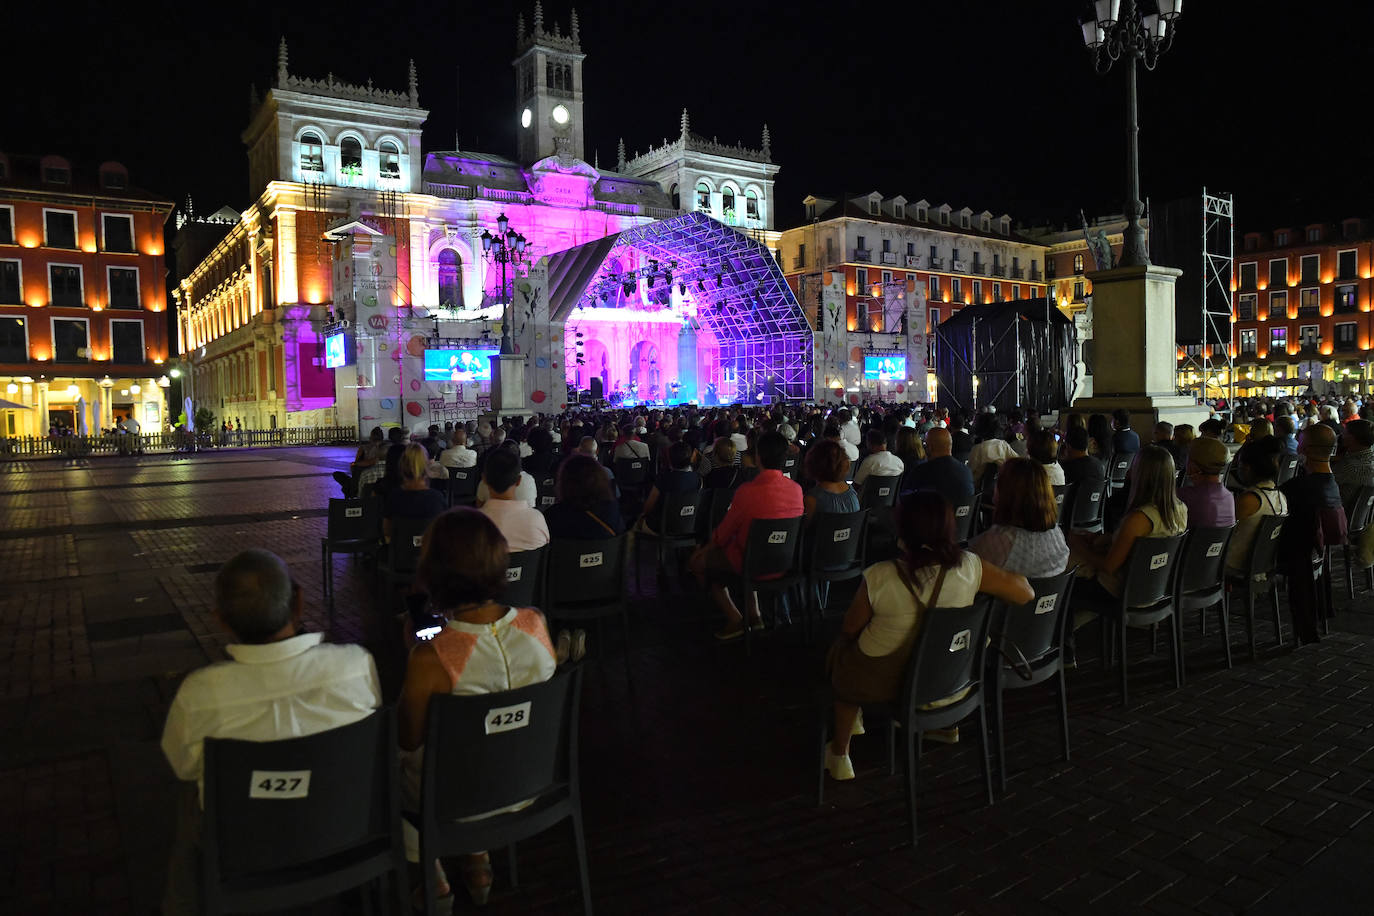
{"x": 527, "y": 491}
{"x": 849, "y": 427}
{"x": 458, "y": 455}
{"x": 994, "y": 449}
{"x": 278, "y": 683}
{"x": 630, "y": 445}
{"x": 522, "y": 526}
{"x": 880, "y": 462}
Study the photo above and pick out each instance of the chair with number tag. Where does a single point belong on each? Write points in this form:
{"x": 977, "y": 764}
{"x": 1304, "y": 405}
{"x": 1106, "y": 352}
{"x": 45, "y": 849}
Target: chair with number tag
{"x": 772, "y": 564}
{"x": 293, "y": 821}
{"x": 1027, "y": 650}
{"x": 1202, "y": 585}
{"x": 1261, "y": 575}
{"x": 354, "y": 527}
{"x": 1360, "y": 512}
{"x": 462, "y": 486}
{"x": 942, "y": 687}
{"x": 675, "y": 527}
{"x": 514, "y": 753}
{"x": 546, "y": 489}
{"x": 525, "y": 577}
{"x": 585, "y": 580}
{"x": 837, "y": 555}
{"x": 1086, "y": 510}
{"x": 1147, "y": 598}
{"x": 402, "y": 552}
{"x": 963, "y": 520}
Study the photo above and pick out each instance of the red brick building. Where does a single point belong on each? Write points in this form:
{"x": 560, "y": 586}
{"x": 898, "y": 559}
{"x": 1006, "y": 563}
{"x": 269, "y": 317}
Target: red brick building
{"x": 83, "y": 301}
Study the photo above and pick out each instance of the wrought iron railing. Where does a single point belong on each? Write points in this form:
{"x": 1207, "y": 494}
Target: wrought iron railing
{"x": 69, "y": 446}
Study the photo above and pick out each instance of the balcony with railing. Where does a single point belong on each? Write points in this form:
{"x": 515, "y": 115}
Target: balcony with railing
{"x": 978, "y": 267}
{"x": 1036, "y": 275}
{"x": 1018, "y": 273}
{"x": 999, "y": 270}
{"x": 798, "y": 262}
{"x": 888, "y": 257}
{"x": 862, "y": 255}
{"x": 937, "y": 263}
{"x": 959, "y": 267}
{"x": 913, "y": 260}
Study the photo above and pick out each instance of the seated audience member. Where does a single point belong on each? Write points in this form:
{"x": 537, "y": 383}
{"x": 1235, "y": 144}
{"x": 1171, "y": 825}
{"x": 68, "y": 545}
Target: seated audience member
{"x": 1355, "y": 467}
{"x": 848, "y": 425}
{"x": 390, "y": 477}
{"x": 1211, "y": 428}
{"x": 1285, "y": 432}
{"x": 629, "y": 444}
{"x": 527, "y": 491}
{"x": 1210, "y": 504}
{"x": 371, "y": 454}
{"x": 1316, "y": 518}
{"x": 909, "y": 447}
{"x": 1025, "y": 537}
{"x": 1100, "y": 437}
{"x": 1258, "y": 471}
{"x": 486, "y": 646}
{"x": 827, "y": 466}
{"x": 278, "y": 683}
{"x": 1125, "y": 441}
{"x": 880, "y": 629}
{"x": 586, "y": 509}
{"x": 879, "y": 462}
{"x": 1164, "y": 438}
{"x": 542, "y": 459}
{"x": 851, "y": 450}
{"x": 961, "y": 438}
{"x": 769, "y": 495}
{"x": 1089, "y": 472}
{"x": 993, "y": 449}
{"x": 941, "y": 472}
{"x": 458, "y": 455}
{"x": 680, "y": 478}
{"x": 414, "y": 498}
{"x": 523, "y": 527}
{"x": 1042, "y": 447}
{"x": 1154, "y": 512}
{"x": 723, "y": 471}
{"x": 1184, "y": 437}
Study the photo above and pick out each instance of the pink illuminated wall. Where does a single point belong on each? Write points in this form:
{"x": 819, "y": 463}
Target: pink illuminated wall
{"x": 625, "y": 350}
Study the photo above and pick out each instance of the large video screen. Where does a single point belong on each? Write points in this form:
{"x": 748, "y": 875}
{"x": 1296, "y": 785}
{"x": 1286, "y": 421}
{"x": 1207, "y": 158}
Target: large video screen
{"x": 885, "y": 368}
{"x": 458, "y": 365}
{"x": 336, "y": 350}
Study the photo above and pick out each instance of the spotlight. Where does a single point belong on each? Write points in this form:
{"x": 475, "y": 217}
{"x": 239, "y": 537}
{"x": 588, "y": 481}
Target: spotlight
{"x": 682, "y": 289}
{"x": 720, "y": 280}
{"x": 652, "y": 278}
{"x": 701, "y": 285}
{"x": 668, "y": 277}
{"x": 603, "y": 296}
{"x": 629, "y": 287}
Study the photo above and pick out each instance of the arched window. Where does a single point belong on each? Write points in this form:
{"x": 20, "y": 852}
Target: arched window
{"x": 1078, "y": 263}
{"x": 350, "y": 156}
{"x": 727, "y": 204}
{"x": 703, "y": 196}
{"x": 676, "y": 197}
{"x": 312, "y": 153}
{"x": 751, "y": 204}
{"x": 450, "y": 279}
{"x": 389, "y": 160}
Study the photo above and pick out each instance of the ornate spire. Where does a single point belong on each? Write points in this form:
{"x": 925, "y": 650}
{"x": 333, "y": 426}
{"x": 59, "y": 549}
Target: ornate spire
{"x": 414, "y": 85}
{"x": 281, "y": 62}
{"x": 596, "y": 160}
{"x": 767, "y": 143}
{"x": 574, "y": 26}
{"x": 685, "y": 123}
{"x": 538, "y": 18}
{"x": 620, "y": 155}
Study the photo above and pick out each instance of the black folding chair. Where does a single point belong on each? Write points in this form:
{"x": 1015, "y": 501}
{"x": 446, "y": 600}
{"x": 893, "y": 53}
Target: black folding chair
{"x": 1089, "y": 508}
{"x": 963, "y": 519}
{"x": 772, "y": 555}
{"x": 1288, "y": 468}
{"x": 546, "y": 487}
{"x": 1063, "y": 499}
{"x": 293, "y": 821}
{"x": 676, "y": 528}
{"x": 1202, "y": 585}
{"x": 486, "y": 752}
{"x": 789, "y": 466}
{"x": 525, "y": 577}
{"x": 462, "y": 486}
{"x": 354, "y": 527}
{"x": 1261, "y": 574}
{"x": 402, "y": 555}
{"x": 1147, "y": 598}
{"x": 1361, "y": 514}
{"x": 585, "y": 580}
{"x": 880, "y": 492}
{"x": 947, "y": 660}
{"x": 837, "y": 555}
{"x": 720, "y": 504}
{"x": 1027, "y": 650}
{"x": 631, "y": 473}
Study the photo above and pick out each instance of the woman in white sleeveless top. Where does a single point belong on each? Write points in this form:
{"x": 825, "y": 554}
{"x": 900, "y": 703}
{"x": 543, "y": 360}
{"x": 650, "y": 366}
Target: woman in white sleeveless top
{"x": 1259, "y": 469}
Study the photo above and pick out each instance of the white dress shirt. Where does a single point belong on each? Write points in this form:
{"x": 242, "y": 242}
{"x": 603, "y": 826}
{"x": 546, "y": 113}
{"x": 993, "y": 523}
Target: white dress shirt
{"x": 879, "y": 464}
{"x": 459, "y": 456}
{"x": 851, "y": 434}
{"x": 526, "y": 490}
{"x": 989, "y": 451}
{"x": 287, "y": 689}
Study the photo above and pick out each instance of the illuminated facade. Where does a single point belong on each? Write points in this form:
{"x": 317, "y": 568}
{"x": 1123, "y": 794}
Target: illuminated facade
{"x": 354, "y": 229}
{"x": 874, "y": 274}
{"x": 1302, "y": 299}
{"x": 83, "y": 324}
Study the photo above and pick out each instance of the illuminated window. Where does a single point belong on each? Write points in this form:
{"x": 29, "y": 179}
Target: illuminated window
{"x": 350, "y": 156}
{"x": 727, "y": 204}
{"x": 1307, "y": 336}
{"x": 1346, "y": 298}
{"x": 1278, "y": 305}
{"x": 389, "y": 160}
{"x": 450, "y": 279}
{"x": 751, "y": 204}
{"x": 312, "y": 153}
{"x": 1278, "y": 340}
{"x": 1078, "y": 263}
{"x": 11, "y": 290}
{"x": 703, "y": 196}
{"x": 1249, "y": 341}
{"x": 14, "y": 340}
{"x": 1308, "y": 302}
{"x": 1245, "y": 308}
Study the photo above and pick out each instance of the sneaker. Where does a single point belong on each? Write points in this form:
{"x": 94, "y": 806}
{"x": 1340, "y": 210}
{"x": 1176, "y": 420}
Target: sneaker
{"x": 838, "y": 765}
{"x": 731, "y": 631}
{"x": 564, "y": 646}
{"x": 579, "y": 645}
{"x": 942, "y": 735}
{"x": 858, "y": 728}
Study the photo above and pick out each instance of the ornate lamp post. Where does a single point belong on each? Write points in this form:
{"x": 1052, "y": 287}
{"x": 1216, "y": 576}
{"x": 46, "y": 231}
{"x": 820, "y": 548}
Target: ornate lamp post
{"x": 506, "y": 247}
{"x": 1123, "y": 28}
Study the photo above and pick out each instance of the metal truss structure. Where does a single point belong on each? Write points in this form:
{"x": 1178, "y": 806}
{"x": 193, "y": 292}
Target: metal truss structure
{"x": 1217, "y": 353}
{"x": 737, "y": 286}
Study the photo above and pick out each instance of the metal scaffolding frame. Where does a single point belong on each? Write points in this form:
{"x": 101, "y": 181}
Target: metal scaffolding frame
{"x": 1218, "y": 261}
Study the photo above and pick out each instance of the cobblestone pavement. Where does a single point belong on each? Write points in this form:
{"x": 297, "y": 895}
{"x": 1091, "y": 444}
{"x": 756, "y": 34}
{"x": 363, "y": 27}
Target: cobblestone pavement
{"x": 1247, "y": 790}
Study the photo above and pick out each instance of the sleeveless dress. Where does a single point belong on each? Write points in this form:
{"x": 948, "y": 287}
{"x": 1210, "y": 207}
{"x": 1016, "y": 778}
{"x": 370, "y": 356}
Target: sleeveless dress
{"x": 1272, "y": 502}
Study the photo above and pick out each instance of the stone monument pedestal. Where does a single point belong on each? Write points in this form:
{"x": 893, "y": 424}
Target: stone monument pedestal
{"x": 508, "y": 385}
{"x": 1135, "y": 351}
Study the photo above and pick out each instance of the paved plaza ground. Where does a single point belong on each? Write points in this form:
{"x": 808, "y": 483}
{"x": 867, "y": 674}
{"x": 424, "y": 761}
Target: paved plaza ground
{"x": 1249, "y": 790}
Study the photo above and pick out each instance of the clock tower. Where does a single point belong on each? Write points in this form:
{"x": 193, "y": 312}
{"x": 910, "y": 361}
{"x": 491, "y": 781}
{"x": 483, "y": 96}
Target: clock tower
{"x": 548, "y": 90}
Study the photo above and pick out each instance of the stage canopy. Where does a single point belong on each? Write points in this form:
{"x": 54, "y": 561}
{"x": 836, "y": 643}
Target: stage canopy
{"x": 711, "y": 287}
{"x": 1021, "y": 353}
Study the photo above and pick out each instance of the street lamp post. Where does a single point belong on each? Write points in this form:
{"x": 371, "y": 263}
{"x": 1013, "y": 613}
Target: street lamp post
{"x": 506, "y": 247}
{"x": 1121, "y": 28}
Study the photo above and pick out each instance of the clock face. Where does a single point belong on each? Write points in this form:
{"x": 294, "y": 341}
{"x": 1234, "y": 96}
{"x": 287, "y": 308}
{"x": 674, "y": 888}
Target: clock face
{"x": 560, "y": 114}
{"x": 526, "y": 117}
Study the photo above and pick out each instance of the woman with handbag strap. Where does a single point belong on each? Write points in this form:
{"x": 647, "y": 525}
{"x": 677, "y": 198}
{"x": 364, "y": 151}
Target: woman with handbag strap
{"x": 586, "y": 509}
{"x": 880, "y": 629}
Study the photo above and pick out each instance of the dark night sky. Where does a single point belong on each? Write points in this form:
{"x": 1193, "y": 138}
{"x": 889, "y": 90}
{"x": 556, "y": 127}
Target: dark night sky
{"x": 992, "y": 105}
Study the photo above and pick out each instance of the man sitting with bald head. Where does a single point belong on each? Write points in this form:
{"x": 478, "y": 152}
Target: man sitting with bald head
{"x": 941, "y": 472}
{"x": 278, "y": 682}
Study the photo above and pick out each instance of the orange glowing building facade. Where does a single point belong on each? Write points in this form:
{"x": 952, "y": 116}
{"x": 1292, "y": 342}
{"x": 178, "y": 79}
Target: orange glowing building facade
{"x": 1302, "y": 299}
{"x": 83, "y": 324}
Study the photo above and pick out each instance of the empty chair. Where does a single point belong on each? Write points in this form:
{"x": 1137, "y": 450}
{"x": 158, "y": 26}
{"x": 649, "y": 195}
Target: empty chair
{"x": 402, "y": 554}
{"x": 1063, "y": 500}
{"x": 1261, "y": 574}
{"x": 963, "y": 520}
{"x": 514, "y": 753}
{"x": 720, "y": 504}
{"x": 525, "y": 577}
{"x": 880, "y": 492}
{"x": 1202, "y": 583}
{"x": 677, "y": 528}
{"x": 547, "y": 490}
{"x": 1361, "y": 515}
{"x": 772, "y": 562}
{"x": 585, "y": 580}
{"x": 1028, "y": 649}
{"x": 837, "y": 553}
{"x": 354, "y": 527}
{"x": 302, "y": 819}
{"x": 631, "y": 474}
{"x": 462, "y": 486}
{"x": 1087, "y": 509}
{"x": 1288, "y": 468}
{"x": 1147, "y": 598}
